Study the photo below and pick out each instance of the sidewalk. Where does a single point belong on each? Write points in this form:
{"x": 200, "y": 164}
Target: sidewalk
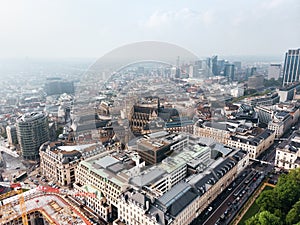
{"x": 249, "y": 203}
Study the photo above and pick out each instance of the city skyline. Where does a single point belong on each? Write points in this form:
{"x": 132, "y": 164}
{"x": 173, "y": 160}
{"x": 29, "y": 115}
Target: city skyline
{"x": 149, "y": 112}
{"x": 91, "y": 29}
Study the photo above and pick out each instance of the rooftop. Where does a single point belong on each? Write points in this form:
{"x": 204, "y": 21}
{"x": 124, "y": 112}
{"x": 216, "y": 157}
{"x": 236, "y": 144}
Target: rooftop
{"x": 29, "y": 117}
{"x": 177, "y": 199}
{"x": 53, "y": 208}
{"x": 292, "y": 144}
{"x": 254, "y": 138}
{"x": 158, "y": 140}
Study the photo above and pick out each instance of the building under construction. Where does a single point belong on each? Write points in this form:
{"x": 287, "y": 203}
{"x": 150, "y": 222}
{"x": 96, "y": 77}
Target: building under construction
{"x": 36, "y": 207}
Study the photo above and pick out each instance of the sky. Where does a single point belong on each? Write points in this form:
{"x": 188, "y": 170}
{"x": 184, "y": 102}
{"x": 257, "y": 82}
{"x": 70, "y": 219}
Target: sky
{"x": 91, "y": 28}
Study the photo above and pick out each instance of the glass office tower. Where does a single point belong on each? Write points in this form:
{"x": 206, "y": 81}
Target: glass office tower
{"x": 291, "y": 69}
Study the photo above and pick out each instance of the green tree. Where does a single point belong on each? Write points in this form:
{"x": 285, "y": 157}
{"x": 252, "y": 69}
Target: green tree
{"x": 293, "y": 216}
{"x": 268, "y": 200}
{"x": 279, "y": 200}
{"x": 288, "y": 190}
{"x": 264, "y": 218}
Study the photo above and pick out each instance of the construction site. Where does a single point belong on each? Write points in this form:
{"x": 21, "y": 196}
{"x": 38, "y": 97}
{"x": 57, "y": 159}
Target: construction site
{"x": 39, "y": 206}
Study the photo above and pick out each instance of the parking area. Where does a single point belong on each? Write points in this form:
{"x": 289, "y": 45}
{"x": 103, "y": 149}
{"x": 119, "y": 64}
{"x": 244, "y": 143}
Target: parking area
{"x": 38, "y": 179}
{"x": 35, "y": 177}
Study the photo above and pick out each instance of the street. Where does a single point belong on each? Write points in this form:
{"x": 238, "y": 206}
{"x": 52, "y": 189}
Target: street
{"x": 229, "y": 202}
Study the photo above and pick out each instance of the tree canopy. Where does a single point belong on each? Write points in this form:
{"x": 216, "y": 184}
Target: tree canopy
{"x": 280, "y": 205}
{"x": 264, "y": 218}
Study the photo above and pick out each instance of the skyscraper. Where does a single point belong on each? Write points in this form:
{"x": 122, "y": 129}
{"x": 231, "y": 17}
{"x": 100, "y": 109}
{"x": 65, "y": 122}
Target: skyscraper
{"x": 291, "y": 70}
{"x": 237, "y": 65}
{"x": 215, "y": 69}
{"x": 32, "y": 131}
{"x": 221, "y": 66}
{"x": 229, "y": 72}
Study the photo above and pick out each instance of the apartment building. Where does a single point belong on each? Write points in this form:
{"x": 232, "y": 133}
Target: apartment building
{"x": 265, "y": 100}
{"x": 58, "y": 162}
{"x": 221, "y": 131}
{"x": 279, "y": 117}
{"x": 181, "y": 125}
{"x": 281, "y": 122}
{"x": 265, "y": 113}
{"x": 218, "y": 131}
{"x": 254, "y": 142}
{"x": 288, "y": 153}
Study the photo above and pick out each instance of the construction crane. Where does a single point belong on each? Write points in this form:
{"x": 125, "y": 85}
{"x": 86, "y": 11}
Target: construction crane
{"x": 17, "y": 187}
{"x": 66, "y": 192}
{"x": 17, "y": 190}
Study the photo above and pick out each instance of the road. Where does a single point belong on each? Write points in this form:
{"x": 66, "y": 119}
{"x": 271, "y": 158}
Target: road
{"x": 234, "y": 197}
{"x": 9, "y": 151}
{"x": 228, "y": 203}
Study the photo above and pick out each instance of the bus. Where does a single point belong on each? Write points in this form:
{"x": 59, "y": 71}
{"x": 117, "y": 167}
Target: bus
{"x": 237, "y": 193}
{"x": 20, "y": 177}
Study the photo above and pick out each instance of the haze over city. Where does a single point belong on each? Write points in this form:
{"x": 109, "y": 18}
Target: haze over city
{"x": 150, "y": 112}
{"x": 59, "y": 29}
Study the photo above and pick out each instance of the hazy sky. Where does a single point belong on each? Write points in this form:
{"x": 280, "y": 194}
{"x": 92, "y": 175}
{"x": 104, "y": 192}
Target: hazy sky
{"x": 90, "y": 28}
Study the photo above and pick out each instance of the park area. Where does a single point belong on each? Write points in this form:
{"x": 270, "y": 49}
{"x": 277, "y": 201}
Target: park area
{"x": 254, "y": 208}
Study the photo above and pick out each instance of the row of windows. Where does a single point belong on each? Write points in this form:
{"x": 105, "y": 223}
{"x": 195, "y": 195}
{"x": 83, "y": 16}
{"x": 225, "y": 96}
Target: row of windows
{"x": 131, "y": 214}
{"x": 284, "y": 153}
{"x": 99, "y": 182}
{"x": 286, "y": 165}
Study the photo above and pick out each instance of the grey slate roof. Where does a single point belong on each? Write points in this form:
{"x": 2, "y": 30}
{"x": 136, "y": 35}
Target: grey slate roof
{"x": 151, "y": 176}
{"x": 181, "y": 203}
{"x": 174, "y": 193}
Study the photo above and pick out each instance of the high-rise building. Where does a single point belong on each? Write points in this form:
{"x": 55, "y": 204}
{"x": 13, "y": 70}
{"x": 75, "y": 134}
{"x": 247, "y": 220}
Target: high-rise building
{"x": 221, "y": 66}
{"x": 229, "y": 71}
{"x": 291, "y": 70}
{"x": 198, "y": 70}
{"x": 253, "y": 71}
{"x": 32, "y": 131}
{"x": 215, "y": 69}
{"x": 274, "y": 71}
{"x": 208, "y": 66}
{"x": 237, "y": 65}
